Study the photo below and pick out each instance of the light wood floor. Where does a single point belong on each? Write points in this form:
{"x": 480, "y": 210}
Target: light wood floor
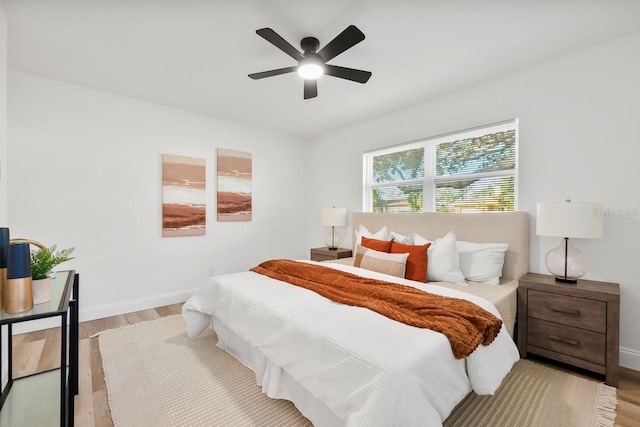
{"x": 39, "y": 351}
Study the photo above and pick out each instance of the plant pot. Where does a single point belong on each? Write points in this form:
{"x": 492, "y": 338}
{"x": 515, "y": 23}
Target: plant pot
{"x": 41, "y": 290}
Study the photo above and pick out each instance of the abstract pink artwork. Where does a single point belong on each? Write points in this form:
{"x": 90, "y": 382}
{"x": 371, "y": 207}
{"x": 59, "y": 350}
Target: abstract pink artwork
{"x": 184, "y": 196}
{"x": 234, "y": 185}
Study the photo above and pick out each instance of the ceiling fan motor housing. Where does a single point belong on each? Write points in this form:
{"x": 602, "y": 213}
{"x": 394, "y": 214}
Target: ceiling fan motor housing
{"x": 309, "y": 44}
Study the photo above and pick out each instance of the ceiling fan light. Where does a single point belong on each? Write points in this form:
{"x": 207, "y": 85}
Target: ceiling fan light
{"x": 310, "y": 71}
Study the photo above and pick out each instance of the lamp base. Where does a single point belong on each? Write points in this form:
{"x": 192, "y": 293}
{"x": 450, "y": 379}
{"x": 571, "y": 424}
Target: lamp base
{"x": 567, "y": 280}
{"x": 566, "y": 263}
{"x": 333, "y": 240}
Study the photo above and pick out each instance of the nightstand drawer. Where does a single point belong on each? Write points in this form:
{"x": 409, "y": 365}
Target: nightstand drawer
{"x": 567, "y": 340}
{"x": 579, "y": 312}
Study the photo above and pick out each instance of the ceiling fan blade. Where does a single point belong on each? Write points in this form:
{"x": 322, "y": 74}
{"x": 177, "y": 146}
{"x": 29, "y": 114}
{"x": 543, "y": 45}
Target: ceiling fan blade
{"x": 352, "y": 74}
{"x": 343, "y": 41}
{"x": 310, "y": 88}
{"x": 262, "y": 75}
{"x": 274, "y": 38}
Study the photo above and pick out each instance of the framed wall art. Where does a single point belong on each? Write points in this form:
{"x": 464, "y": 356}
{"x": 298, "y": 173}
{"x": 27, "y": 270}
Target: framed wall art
{"x": 184, "y": 196}
{"x": 234, "y": 185}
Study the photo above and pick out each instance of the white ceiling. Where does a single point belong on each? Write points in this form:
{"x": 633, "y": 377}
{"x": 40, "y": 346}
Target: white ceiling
{"x": 195, "y": 54}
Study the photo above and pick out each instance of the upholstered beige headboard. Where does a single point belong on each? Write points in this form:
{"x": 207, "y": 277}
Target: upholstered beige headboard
{"x": 489, "y": 227}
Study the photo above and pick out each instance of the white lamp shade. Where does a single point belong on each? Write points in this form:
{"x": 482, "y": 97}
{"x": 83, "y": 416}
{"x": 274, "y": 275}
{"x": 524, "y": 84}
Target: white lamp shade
{"x": 570, "y": 219}
{"x": 333, "y": 217}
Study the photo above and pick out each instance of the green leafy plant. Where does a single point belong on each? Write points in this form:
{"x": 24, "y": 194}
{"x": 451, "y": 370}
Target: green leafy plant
{"x": 44, "y": 260}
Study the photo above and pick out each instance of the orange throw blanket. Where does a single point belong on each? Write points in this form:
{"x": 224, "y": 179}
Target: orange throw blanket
{"x": 465, "y": 324}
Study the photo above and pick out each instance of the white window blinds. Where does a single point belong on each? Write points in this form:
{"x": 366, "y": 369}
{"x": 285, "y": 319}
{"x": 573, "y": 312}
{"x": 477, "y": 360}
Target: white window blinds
{"x": 466, "y": 171}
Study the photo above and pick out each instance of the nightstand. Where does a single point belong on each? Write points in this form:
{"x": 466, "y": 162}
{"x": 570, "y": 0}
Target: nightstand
{"x": 577, "y": 324}
{"x": 325, "y": 254}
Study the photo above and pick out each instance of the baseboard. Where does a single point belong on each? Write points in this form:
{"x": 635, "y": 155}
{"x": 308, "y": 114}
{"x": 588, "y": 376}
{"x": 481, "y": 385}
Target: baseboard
{"x": 107, "y": 310}
{"x": 630, "y": 358}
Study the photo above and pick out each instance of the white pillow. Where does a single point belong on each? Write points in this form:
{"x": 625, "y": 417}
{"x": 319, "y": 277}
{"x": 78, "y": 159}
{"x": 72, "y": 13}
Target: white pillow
{"x": 442, "y": 259}
{"x": 482, "y": 262}
{"x": 401, "y": 238}
{"x": 381, "y": 234}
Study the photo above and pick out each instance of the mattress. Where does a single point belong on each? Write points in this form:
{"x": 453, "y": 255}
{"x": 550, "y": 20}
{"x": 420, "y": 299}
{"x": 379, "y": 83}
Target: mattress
{"x": 343, "y": 365}
{"x": 503, "y": 297}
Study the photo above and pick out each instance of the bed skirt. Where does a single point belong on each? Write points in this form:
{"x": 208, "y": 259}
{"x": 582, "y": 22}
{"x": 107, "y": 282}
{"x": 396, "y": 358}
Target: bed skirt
{"x": 275, "y": 381}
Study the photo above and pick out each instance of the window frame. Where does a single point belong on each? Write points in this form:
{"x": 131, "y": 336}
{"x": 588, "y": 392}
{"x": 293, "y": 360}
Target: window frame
{"x": 430, "y": 179}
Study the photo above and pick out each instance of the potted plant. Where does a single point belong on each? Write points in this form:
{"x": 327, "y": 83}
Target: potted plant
{"x": 42, "y": 263}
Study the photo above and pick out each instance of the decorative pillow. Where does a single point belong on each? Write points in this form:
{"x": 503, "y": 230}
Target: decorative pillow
{"x": 482, "y": 262}
{"x": 382, "y": 262}
{"x": 378, "y": 245}
{"x": 381, "y": 234}
{"x": 417, "y": 261}
{"x": 443, "y": 265}
{"x": 400, "y": 238}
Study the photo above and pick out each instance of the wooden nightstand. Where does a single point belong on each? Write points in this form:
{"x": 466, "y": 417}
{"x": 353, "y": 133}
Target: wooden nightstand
{"x": 325, "y": 254}
{"x": 577, "y": 324}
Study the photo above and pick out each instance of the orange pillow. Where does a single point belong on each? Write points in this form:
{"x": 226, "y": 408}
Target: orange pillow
{"x": 417, "y": 261}
{"x": 377, "y": 245}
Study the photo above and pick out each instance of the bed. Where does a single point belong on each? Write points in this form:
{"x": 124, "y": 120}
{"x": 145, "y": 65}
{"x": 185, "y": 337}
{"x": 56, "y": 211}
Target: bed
{"x": 507, "y": 227}
{"x": 349, "y": 366}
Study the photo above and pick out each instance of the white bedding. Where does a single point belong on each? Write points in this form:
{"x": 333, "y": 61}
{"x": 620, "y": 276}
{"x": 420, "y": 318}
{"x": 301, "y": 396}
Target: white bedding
{"x": 366, "y": 369}
{"x": 503, "y": 297}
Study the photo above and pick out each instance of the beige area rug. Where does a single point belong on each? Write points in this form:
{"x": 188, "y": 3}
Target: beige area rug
{"x": 157, "y": 376}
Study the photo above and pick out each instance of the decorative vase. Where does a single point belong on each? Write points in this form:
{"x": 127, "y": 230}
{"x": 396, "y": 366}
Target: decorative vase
{"x": 17, "y": 294}
{"x": 4, "y": 257}
{"x": 41, "y": 290}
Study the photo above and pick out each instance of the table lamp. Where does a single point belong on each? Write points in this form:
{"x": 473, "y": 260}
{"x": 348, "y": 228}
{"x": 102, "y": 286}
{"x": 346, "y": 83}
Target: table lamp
{"x": 568, "y": 220}
{"x": 333, "y": 217}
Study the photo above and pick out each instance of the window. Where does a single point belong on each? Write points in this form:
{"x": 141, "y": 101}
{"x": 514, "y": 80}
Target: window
{"x": 468, "y": 171}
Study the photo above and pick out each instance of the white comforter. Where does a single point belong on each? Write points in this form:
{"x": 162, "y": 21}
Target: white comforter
{"x": 367, "y": 369}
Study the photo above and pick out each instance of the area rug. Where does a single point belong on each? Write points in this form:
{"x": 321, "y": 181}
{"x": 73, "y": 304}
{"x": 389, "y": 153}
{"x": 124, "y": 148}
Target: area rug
{"x": 157, "y": 376}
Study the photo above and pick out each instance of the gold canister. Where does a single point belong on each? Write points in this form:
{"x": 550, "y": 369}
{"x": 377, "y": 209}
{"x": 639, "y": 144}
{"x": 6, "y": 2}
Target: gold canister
{"x": 4, "y": 258}
{"x": 18, "y": 295}
{"x": 18, "y": 290}
{"x": 3, "y": 283}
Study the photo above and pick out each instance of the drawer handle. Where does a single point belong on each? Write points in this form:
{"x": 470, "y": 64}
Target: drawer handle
{"x": 564, "y": 340}
{"x": 572, "y": 312}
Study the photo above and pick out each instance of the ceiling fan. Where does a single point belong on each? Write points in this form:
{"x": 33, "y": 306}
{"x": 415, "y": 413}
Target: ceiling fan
{"x": 313, "y": 63}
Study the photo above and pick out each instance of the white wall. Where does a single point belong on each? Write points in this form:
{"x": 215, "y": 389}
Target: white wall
{"x": 86, "y": 172}
{"x": 3, "y": 119}
{"x": 4, "y": 366}
{"x": 579, "y": 139}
